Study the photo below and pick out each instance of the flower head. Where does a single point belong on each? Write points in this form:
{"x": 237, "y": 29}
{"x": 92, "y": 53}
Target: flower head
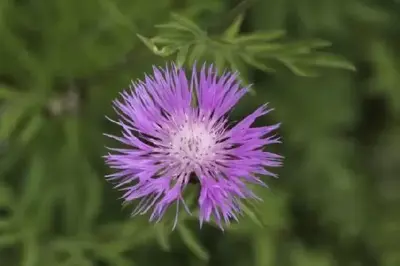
{"x": 175, "y": 128}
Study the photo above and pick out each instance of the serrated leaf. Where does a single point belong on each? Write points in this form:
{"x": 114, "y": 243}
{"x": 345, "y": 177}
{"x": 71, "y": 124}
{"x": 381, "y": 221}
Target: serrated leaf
{"x": 231, "y": 32}
{"x": 182, "y": 55}
{"x": 162, "y": 236}
{"x": 260, "y": 37}
{"x": 192, "y": 243}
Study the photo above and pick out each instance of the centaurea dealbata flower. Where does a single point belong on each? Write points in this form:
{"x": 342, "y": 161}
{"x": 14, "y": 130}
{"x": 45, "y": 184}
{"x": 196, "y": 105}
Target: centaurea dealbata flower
{"x": 174, "y": 128}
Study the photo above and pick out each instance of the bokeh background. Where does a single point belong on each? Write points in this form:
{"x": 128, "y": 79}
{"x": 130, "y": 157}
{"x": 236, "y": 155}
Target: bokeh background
{"x": 337, "y": 199}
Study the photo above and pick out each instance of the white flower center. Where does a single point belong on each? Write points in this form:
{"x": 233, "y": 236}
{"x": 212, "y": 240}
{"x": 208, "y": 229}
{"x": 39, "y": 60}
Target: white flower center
{"x": 192, "y": 144}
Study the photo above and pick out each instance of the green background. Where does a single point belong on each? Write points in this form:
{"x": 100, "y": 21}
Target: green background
{"x": 336, "y": 201}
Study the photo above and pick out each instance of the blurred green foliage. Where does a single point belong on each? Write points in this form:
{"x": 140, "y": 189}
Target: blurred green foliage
{"x": 62, "y": 62}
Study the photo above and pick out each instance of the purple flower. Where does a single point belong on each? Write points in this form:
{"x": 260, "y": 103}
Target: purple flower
{"x": 174, "y": 129}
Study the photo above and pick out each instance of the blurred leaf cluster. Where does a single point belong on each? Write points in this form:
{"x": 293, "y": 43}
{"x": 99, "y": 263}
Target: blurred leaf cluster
{"x": 336, "y": 203}
{"x": 233, "y": 50}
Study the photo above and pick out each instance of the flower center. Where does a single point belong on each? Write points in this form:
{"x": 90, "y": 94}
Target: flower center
{"x": 192, "y": 144}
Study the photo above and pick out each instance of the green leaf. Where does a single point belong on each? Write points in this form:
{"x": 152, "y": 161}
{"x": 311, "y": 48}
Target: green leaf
{"x": 251, "y": 214}
{"x": 231, "y": 32}
{"x": 167, "y": 51}
{"x": 162, "y": 236}
{"x": 191, "y": 242}
{"x": 197, "y": 52}
{"x": 264, "y": 49}
{"x": 327, "y": 60}
{"x": 255, "y": 63}
{"x": 148, "y": 42}
{"x": 182, "y": 55}
{"x": 176, "y": 39}
{"x": 257, "y": 37}
{"x": 237, "y": 65}
{"x": 188, "y": 24}
{"x": 299, "y": 71}
{"x": 304, "y": 46}
{"x": 173, "y": 26}
{"x": 220, "y": 61}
